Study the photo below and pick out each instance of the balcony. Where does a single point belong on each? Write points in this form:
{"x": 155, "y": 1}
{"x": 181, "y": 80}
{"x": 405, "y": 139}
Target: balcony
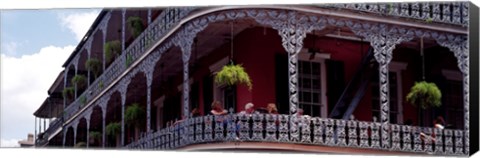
{"x": 271, "y": 131}
{"x": 154, "y": 32}
{"x": 453, "y": 13}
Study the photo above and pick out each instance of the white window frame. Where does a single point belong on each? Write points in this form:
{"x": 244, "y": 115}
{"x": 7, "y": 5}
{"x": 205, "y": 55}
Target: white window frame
{"x": 218, "y": 89}
{"x": 397, "y": 68}
{"x": 319, "y": 58}
{"x": 159, "y": 104}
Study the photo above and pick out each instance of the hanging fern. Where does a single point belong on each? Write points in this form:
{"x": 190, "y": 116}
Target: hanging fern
{"x": 95, "y": 135}
{"x": 134, "y": 115}
{"x": 79, "y": 80}
{"x": 233, "y": 74}
{"x": 112, "y": 49}
{"x": 68, "y": 92}
{"x": 425, "y": 95}
{"x": 94, "y": 65}
{"x": 135, "y": 25}
{"x": 113, "y": 129}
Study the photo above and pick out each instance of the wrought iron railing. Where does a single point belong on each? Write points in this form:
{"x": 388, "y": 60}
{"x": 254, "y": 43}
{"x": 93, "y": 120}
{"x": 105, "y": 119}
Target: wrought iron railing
{"x": 308, "y": 130}
{"x": 442, "y": 12}
{"x": 156, "y": 30}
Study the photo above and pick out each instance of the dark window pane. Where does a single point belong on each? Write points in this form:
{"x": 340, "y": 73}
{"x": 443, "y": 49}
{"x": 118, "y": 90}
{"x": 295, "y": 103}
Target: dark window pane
{"x": 306, "y": 83}
{"x": 316, "y": 97}
{"x": 306, "y": 68}
{"x": 315, "y": 68}
{"x": 307, "y": 97}
{"x": 316, "y": 111}
{"x": 316, "y": 83}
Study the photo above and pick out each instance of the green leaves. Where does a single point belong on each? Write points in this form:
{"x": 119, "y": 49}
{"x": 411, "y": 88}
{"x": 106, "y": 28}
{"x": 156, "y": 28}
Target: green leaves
{"x": 135, "y": 25}
{"x": 112, "y": 49}
{"x": 95, "y": 135}
{"x": 425, "y": 95}
{"x": 94, "y": 65}
{"x": 233, "y": 74}
{"x": 79, "y": 80}
{"x": 134, "y": 115}
{"x": 128, "y": 60}
{"x": 68, "y": 92}
{"x": 113, "y": 129}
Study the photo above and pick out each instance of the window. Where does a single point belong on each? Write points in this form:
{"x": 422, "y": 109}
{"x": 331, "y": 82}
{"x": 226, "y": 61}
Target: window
{"x": 394, "y": 110}
{"x": 312, "y": 84}
{"x": 454, "y": 104}
{"x": 396, "y": 94}
{"x": 310, "y": 88}
{"x": 225, "y": 94}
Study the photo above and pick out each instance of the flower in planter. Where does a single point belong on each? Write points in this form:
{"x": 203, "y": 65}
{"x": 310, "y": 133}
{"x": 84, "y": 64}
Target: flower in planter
{"x": 425, "y": 95}
{"x": 232, "y": 75}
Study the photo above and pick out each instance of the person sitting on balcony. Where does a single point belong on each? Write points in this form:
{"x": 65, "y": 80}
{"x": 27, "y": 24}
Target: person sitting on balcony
{"x": 272, "y": 108}
{"x": 195, "y": 112}
{"x": 438, "y": 123}
{"x": 248, "y": 109}
{"x": 217, "y": 109}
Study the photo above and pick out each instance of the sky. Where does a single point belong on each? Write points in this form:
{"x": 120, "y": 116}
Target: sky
{"x": 34, "y": 45}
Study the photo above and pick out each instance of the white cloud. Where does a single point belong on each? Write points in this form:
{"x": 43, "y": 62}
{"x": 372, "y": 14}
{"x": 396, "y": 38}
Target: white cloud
{"x": 24, "y": 84}
{"x": 10, "y": 47}
{"x": 79, "y": 23}
{"x": 9, "y": 143}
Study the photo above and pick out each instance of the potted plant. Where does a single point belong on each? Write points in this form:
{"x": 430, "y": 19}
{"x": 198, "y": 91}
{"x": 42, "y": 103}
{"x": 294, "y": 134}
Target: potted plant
{"x": 80, "y": 81}
{"x": 95, "y": 137}
{"x": 135, "y": 116}
{"x": 112, "y": 49}
{"x": 232, "y": 74}
{"x": 128, "y": 60}
{"x": 424, "y": 95}
{"x": 94, "y": 65}
{"x": 113, "y": 131}
{"x": 135, "y": 25}
{"x": 68, "y": 93}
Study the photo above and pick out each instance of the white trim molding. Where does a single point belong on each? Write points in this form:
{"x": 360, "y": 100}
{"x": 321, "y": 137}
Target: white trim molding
{"x": 398, "y": 67}
{"x": 319, "y": 58}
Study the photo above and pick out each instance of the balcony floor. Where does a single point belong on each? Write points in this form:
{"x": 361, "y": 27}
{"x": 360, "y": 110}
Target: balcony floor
{"x": 285, "y": 147}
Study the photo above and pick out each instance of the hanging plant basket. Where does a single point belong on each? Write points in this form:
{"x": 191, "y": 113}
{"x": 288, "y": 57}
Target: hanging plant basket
{"x": 112, "y": 49}
{"x": 68, "y": 92}
{"x": 113, "y": 129}
{"x": 425, "y": 95}
{"x": 94, "y": 65}
{"x": 134, "y": 115}
{"x": 79, "y": 80}
{"x": 95, "y": 136}
{"x": 232, "y": 74}
{"x": 135, "y": 25}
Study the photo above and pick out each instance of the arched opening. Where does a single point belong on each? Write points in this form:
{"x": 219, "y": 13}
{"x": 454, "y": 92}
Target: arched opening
{"x": 113, "y": 123}
{"x": 96, "y": 129}
{"x": 135, "y": 108}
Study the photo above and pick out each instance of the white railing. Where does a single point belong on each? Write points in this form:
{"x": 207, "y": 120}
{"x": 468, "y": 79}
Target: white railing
{"x": 442, "y": 12}
{"x": 306, "y": 130}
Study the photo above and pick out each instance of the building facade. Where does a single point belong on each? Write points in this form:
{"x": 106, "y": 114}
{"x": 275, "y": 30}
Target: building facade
{"x": 349, "y": 67}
